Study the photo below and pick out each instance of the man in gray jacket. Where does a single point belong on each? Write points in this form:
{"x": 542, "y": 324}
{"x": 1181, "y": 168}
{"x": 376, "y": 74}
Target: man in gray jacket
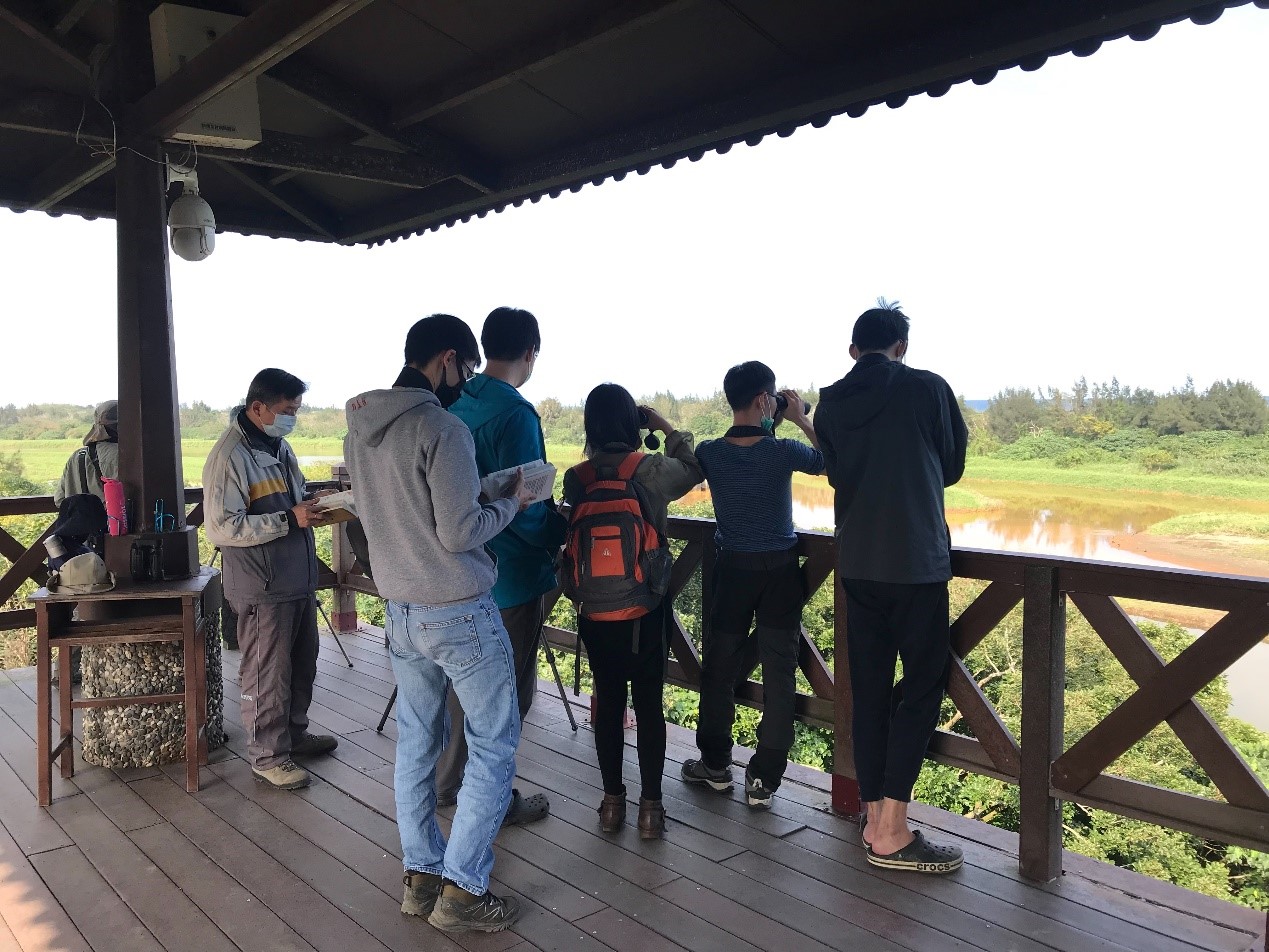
{"x": 257, "y": 510}
{"x": 413, "y": 470}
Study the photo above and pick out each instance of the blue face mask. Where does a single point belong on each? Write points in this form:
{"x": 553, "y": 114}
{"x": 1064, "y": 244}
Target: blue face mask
{"x": 768, "y": 424}
{"x": 283, "y": 423}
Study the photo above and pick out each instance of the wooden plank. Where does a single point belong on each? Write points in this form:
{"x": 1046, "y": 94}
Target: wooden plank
{"x": 625, "y": 934}
{"x": 8, "y": 943}
{"x": 1043, "y": 705}
{"x": 319, "y": 922}
{"x": 987, "y": 920}
{"x": 28, "y": 823}
{"x": 97, "y": 910}
{"x": 116, "y": 800}
{"x": 158, "y": 902}
{"x": 740, "y": 920}
{"x": 1210, "y": 655}
{"x": 249, "y": 924}
{"x": 34, "y": 917}
{"x": 982, "y": 615}
{"x": 983, "y": 719}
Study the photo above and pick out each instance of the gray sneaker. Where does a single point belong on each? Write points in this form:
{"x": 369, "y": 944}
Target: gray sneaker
{"x": 695, "y": 771}
{"x": 757, "y": 794}
{"x": 487, "y": 914}
{"x": 285, "y": 776}
{"x": 421, "y": 892}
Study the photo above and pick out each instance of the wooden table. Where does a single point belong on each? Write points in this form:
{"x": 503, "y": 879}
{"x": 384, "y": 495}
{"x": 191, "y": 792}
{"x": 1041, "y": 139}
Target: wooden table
{"x": 136, "y": 614}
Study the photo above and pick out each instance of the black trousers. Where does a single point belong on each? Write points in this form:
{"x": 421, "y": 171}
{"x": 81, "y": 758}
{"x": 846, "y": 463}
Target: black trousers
{"x": 613, "y": 665}
{"x": 524, "y": 630}
{"x": 885, "y": 621}
{"x": 768, "y": 588}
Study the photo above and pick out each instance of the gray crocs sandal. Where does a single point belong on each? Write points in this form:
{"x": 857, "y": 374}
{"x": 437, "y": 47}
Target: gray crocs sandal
{"x": 920, "y": 856}
{"x": 524, "y": 810}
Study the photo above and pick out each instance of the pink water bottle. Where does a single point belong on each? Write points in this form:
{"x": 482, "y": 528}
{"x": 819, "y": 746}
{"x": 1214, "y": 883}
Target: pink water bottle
{"x": 116, "y": 506}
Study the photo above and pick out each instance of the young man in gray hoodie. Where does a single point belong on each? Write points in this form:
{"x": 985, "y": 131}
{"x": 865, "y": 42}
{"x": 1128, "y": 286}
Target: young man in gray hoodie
{"x": 413, "y": 470}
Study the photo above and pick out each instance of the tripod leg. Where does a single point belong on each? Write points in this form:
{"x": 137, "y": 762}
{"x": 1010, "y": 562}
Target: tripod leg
{"x": 559, "y": 683}
{"x": 335, "y": 633}
{"x": 386, "y": 711}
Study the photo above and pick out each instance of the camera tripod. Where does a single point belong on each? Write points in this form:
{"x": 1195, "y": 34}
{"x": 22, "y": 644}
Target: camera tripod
{"x": 555, "y": 670}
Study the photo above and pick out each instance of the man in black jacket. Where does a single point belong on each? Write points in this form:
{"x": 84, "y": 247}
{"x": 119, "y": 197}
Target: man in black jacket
{"x": 893, "y": 438}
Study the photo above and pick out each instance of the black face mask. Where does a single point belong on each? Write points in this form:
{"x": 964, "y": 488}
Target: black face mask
{"x": 448, "y": 394}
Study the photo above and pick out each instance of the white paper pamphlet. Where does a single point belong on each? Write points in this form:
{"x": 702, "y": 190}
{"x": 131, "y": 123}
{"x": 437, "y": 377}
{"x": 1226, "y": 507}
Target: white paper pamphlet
{"x": 539, "y": 479}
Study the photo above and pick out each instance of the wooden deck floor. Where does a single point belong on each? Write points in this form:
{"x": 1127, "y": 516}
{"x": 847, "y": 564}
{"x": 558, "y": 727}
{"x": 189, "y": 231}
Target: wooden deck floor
{"x": 127, "y": 860}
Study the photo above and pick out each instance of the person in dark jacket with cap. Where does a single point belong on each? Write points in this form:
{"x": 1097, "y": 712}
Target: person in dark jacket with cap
{"x": 96, "y": 460}
{"x": 893, "y": 439}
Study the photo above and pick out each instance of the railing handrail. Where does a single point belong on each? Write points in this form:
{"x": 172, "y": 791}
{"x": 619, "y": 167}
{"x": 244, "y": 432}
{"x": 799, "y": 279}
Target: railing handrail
{"x": 1037, "y": 761}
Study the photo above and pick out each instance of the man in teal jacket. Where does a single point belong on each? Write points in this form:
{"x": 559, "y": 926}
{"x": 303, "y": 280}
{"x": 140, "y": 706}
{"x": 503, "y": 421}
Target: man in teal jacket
{"x": 508, "y": 433}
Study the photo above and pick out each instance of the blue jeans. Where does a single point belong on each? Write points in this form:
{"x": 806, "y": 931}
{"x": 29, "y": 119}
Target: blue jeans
{"x": 432, "y": 647}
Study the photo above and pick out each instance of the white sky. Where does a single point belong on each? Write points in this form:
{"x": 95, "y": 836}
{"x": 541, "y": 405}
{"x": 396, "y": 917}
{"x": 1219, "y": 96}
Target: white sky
{"x": 1100, "y": 217}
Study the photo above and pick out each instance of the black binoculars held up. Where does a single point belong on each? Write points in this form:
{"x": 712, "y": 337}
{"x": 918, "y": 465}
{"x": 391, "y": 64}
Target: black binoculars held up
{"x": 782, "y": 404}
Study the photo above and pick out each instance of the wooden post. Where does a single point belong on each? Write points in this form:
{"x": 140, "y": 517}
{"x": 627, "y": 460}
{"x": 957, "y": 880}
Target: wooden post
{"x": 1043, "y": 699}
{"x": 343, "y": 600}
{"x": 149, "y": 423}
{"x": 845, "y": 786}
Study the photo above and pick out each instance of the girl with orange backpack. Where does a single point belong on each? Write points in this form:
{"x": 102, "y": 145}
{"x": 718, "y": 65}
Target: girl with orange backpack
{"x": 616, "y": 568}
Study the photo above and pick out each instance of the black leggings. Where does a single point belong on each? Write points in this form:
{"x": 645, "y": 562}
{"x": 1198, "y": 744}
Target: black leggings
{"x": 613, "y": 664}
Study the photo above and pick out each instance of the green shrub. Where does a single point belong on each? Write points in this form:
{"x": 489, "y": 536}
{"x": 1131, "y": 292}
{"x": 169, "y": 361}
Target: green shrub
{"x": 1158, "y": 460}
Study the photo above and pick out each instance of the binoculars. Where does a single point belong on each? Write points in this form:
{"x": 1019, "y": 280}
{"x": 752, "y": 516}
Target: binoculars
{"x": 782, "y": 404}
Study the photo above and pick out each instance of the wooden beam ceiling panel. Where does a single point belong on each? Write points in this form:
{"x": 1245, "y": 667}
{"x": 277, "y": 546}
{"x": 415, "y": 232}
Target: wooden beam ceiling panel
{"x": 300, "y": 154}
{"x": 529, "y": 57}
{"x": 290, "y": 199}
{"x": 73, "y": 13}
{"x": 79, "y": 167}
{"x": 264, "y": 38}
{"x": 28, "y": 18}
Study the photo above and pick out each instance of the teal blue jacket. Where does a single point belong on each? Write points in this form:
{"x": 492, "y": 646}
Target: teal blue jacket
{"x": 508, "y": 433}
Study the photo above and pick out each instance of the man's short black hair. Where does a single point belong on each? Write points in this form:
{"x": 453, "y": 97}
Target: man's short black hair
{"x": 438, "y": 333}
{"x": 879, "y": 328}
{"x": 745, "y": 381}
{"x": 611, "y": 417}
{"x": 509, "y": 333}
{"x": 272, "y": 385}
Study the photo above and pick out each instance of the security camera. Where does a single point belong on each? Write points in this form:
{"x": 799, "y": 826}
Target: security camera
{"x": 193, "y": 225}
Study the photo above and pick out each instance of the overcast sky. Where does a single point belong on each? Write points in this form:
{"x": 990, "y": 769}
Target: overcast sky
{"x": 1100, "y": 217}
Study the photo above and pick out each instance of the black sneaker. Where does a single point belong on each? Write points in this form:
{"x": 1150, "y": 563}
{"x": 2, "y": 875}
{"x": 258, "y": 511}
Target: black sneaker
{"x": 420, "y": 893}
{"x": 487, "y": 914}
{"x": 757, "y": 794}
{"x": 695, "y": 771}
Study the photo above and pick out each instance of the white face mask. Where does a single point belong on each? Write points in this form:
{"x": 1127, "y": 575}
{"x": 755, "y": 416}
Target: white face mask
{"x": 282, "y": 424}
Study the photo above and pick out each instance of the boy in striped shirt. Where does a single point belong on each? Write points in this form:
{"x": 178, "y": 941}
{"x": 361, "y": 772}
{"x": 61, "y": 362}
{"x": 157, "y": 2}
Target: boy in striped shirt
{"x": 757, "y": 577}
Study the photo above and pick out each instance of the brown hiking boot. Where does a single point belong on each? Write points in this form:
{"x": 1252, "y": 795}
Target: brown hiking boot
{"x": 612, "y": 812}
{"x": 457, "y": 910}
{"x": 421, "y": 892}
{"x": 285, "y": 776}
{"x": 651, "y": 819}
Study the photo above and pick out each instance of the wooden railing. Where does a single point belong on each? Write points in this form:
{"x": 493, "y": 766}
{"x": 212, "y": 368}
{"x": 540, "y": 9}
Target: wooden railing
{"x": 1037, "y": 760}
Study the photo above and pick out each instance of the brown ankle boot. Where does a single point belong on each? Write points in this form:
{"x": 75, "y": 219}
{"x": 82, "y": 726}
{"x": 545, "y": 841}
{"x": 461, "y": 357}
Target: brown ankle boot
{"x": 651, "y": 819}
{"x": 612, "y": 812}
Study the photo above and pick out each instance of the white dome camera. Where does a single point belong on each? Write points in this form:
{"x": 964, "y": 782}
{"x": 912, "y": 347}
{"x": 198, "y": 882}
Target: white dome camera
{"x": 190, "y": 219}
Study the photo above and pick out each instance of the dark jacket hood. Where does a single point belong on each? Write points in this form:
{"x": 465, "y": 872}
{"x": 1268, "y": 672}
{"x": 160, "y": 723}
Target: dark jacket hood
{"x": 864, "y": 392}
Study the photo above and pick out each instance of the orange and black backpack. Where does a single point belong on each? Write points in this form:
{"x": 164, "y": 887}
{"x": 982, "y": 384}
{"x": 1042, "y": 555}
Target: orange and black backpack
{"x": 616, "y": 565}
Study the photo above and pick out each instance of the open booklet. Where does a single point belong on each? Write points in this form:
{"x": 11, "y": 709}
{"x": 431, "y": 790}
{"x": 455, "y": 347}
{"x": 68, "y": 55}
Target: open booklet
{"x": 337, "y": 507}
{"x": 539, "y": 478}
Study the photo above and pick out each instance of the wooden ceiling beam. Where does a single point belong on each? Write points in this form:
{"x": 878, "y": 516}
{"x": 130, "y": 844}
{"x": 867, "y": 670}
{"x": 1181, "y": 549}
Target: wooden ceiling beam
{"x": 79, "y": 167}
{"x": 28, "y": 18}
{"x": 292, "y": 200}
{"x": 73, "y": 13}
{"x": 371, "y": 117}
{"x": 264, "y": 38}
{"x": 301, "y": 154}
{"x": 526, "y": 58}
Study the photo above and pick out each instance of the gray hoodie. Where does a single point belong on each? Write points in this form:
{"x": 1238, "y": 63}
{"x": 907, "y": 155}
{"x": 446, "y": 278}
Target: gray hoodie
{"x": 413, "y": 471}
